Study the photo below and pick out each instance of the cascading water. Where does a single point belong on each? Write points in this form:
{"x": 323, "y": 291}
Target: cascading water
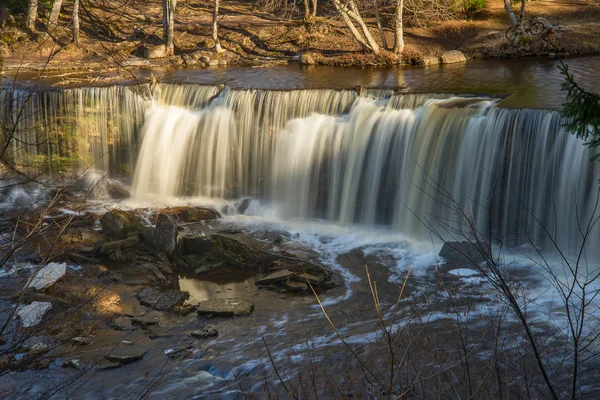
{"x": 374, "y": 158}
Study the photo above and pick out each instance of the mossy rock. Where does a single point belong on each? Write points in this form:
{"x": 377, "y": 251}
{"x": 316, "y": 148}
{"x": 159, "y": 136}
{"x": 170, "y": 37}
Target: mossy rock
{"x": 120, "y": 224}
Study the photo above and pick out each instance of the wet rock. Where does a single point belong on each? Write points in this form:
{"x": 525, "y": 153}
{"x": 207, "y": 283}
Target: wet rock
{"x": 307, "y": 59}
{"x": 243, "y": 205}
{"x": 314, "y": 280}
{"x": 144, "y": 321}
{"x": 165, "y": 268}
{"x": 428, "y": 60}
{"x": 47, "y": 276}
{"x": 33, "y": 314}
{"x": 82, "y": 340}
{"x": 275, "y": 277}
{"x": 76, "y": 364}
{"x": 205, "y": 333}
{"x": 120, "y": 224}
{"x": 195, "y": 244}
{"x": 453, "y": 56}
{"x": 294, "y": 286}
{"x": 225, "y": 307}
{"x": 205, "y": 59}
{"x": 164, "y": 235}
{"x": 126, "y": 355}
{"x": 162, "y": 300}
{"x": 22, "y": 201}
{"x": 115, "y": 190}
{"x": 191, "y": 214}
{"x": 463, "y": 252}
{"x": 203, "y": 269}
{"x": 153, "y": 269}
{"x": 213, "y": 62}
{"x": 151, "y": 52}
{"x": 2, "y": 341}
{"x": 222, "y": 61}
{"x": 115, "y": 246}
{"x": 105, "y": 365}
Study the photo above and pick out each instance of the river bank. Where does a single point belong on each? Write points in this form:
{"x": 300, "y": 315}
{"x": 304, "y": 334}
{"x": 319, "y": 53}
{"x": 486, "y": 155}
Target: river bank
{"x": 254, "y": 38}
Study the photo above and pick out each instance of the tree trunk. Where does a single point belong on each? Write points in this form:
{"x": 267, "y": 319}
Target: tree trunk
{"x": 168, "y": 25}
{"x": 350, "y": 25}
{"x": 365, "y": 30}
{"x": 314, "y": 8}
{"x": 215, "y": 27}
{"x": 399, "y": 28}
{"x": 379, "y": 27}
{"x": 76, "y": 22}
{"x": 306, "y": 10}
{"x": 511, "y": 15}
{"x": 54, "y": 13}
{"x": 350, "y": 12}
{"x": 522, "y": 14}
{"x": 31, "y": 14}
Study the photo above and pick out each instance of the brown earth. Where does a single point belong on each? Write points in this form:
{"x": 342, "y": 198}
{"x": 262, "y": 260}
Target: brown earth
{"x": 112, "y": 36}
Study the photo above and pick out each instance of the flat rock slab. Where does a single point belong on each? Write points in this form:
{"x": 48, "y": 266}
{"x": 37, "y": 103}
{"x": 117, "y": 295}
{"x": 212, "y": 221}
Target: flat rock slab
{"x": 162, "y": 300}
{"x": 205, "y": 333}
{"x": 47, "y": 276}
{"x": 225, "y": 307}
{"x": 276, "y": 277}
{"x": 144, "y": 321}
{"x": 32, "y": 314}
{"x": 125, "y": 355}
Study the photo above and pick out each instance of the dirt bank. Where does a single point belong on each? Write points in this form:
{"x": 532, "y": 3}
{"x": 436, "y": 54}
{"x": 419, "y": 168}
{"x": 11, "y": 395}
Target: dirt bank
{"x": 113, "y": 37}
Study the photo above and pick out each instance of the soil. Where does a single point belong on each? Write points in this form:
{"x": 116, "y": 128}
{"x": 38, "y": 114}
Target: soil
{"x": 253, "y": 37}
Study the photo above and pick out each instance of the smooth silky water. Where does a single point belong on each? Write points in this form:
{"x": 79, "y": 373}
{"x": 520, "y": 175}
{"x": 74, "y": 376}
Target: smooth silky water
{"x": 339, "y": 169}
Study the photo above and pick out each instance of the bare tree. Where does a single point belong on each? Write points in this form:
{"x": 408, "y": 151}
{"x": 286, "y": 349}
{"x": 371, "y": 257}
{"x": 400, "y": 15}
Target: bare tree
{"x": 168, "y": 25}
{"x": 379, "y": 27}
{"x": 215, "y": 26}
{"x": 76, "y": 22}
{"x": 310, "y": 13}
{"x": 350, "y": 13}
{"x": 54, "y": 13}
{"x": 32, "y": 14}
{"x": 399, "y": 28}
{"x": 511, "y": 15}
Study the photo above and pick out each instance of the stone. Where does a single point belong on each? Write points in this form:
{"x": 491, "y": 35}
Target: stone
{"x": 33, "y": 314}
{"x": 205, "y": 59}
{"x": 463, "y": 252}
{"x": 165, "y": 268}
{"x": 243, "y": 205}
{"x": 22, "y": 201}
{"x": 428, "y": 60}
{"x": 223, "y": 61}
{"x": 151, "y": 52}
{"x": 205, "y": 333}
{"x": 191, "y": 214}
{"x": 294, "y": 286}
{"x": 82, "y": 341}
{"x": 105, "y": 365}
{"x": 72, "y": 364}
{"x": 165, "y": 300}
{"x": 307, "y": 59}
{"x": 115, "y": 190}
{"x": 275, "y": 277}
{"x": 453, "y": 56}
{"x": 144, "y": 321}
{"x": 47, "y": 276}
{"x": 213, "y": 62}
{"x": 314, "y": 280}
{"x": 119, "y": 224}
{"x": 126, "y": 355}
{"x": 164, "y": 235}
{"x": 225, "y": 307}
{"x": 195, "y": 244}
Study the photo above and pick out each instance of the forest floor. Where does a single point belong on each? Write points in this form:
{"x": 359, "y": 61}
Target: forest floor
{"x": 114, "y": 34}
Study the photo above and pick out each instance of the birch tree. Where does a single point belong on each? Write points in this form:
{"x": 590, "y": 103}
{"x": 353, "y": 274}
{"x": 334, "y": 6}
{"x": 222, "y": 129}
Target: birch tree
{"x": 310, "y": 9}
{"x": 168, "y": 25}
{"x": 76, "y": 21}
{"x": 399, "y": 27}
{"x": 31, "y": 14}
{"x": 215, "y": 27}
{"x": 350, "y": 14}
{"x": 54, "y": 13}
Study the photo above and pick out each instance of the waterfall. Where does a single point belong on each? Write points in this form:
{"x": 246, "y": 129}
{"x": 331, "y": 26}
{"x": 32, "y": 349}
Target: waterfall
{"x": 370, "y": 158}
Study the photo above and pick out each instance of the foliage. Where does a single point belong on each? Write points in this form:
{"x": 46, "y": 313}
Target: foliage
{"x": 581, "y": 109}
{"x": 474, "y": 5}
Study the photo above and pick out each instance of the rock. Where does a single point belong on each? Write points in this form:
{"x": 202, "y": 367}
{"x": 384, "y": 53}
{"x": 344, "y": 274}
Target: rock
{"x": 33, "y": 313}
{"x": 115, "y": 190}
{"x": 243, "y": 205}
{"x": 72, "y": 364}
{"x": 307, "y": 59}
{"x": 294, "y": 286}
{"x": 153, "y": 269}
{"x": 225, "y": 307}
{"x": 222, "y": 61}
{"x": 162, "y": 300}
{"x": 165, "y": 268}
{"x": 428, "y": 60}
{"x": 158, "y": 51}
{"x": 205, "y": 59}
{"x": 463, "y": 252}
{"x": 120, "y": 224}
{"x": 191, "y": 214}
{"x": 111, "y": 247}
{"x": 164, "y": 235}
{"x": 105, "y": 364}
{"x": 194, "y": 244}
{"x": 275, "y": 277}
{"x": 453, "y": 56}
{"x": 22, "y": 201}
{"x": 82, "y": 341}
{"x": 213, "y": 62}
{"x": 144, "y": 321}
{"x": 47, "y": 276}
{"x": 314, "y": 280}
{"x": 2, "y": 341}
{"x": 205, "y": 333}
{"x": 126, "y": 355}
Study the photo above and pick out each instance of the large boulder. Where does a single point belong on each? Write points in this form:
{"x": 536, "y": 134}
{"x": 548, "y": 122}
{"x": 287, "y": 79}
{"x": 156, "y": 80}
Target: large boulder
{"x": 164, "y": 236}
{"x": 191, "y": 214}
{"x": 428, "y": 60}
{"x": 120, "y": 224}
{"x": 453, "y": 56}
{"x": 158, "y": 51}
{"x": 464, "y": 252}
{"x": 165, "y": 300}
{"x": 225, "y": 307}
{"x": 307, "y": 59}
